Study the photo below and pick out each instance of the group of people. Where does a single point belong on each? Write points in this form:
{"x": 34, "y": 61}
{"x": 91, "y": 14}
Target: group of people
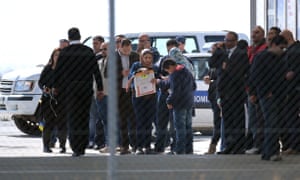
{"x": 261, "y": 82}
{"x": 75, "y": 92}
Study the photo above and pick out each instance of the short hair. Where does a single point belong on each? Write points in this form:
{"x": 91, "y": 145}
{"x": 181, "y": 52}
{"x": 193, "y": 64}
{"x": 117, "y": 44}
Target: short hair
{"x": 63, "y": 40}
{"x": 242, "y": 44}
{"x": 180, "y": 39}
{"x": 120, "y": 36}
{"x": 74, "y": 34}
{"x": 235, "y": 35}
{"x": 99, "y": 38}
{"x": 125, "y": 42}
{"x": 171, "y": 42}
{"x": 261, "y": 29}
{"x": 276, "y": 29}
{"x": 279, "y": 39}
{"x": 168, "y": 62}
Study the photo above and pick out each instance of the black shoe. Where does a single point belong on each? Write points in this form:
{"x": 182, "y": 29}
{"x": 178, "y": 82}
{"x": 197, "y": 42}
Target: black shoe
{"x": 63, "y": 150}
{"x": 238, "y": 152}
{"x": 124, "y": 151}
{"x": 139, "y": 151}
{"x": 149, "y": 151}
{"x": 90, "y": 146}
{"x": 133, "y": 150}
{"x": 170, "y": 153}
{"x": 75, "y": 154}
{"x": 276, "y": 158}
{"x": 99, "y": 147}
{"x": 159, "y": 151}
{"x": 47, "y": 150}
{"x": 226, "y": 151}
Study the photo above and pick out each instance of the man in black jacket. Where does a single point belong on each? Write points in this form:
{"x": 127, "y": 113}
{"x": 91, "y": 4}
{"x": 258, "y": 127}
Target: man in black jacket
{"x": 231, "y": 89}
{"x": 125, "y": 58}
{"x": 291, "y": 140}
{"x": 266, "y": 78}
{"x": 73, "y": 79}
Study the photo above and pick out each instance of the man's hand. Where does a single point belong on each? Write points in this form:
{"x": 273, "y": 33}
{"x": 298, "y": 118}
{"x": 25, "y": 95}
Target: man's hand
{"x": 47, "y": 90}
{"x": 154, "y": 81}
{"x": 206, "y": 79}
{"x": 54, "y": 91}
{"x": 169, "y": 106}
{"x": 289, "y": 75}
{"x": 253, "y": 99}
{"x": 224, "y": 65}
{"x": 100, "y": 95}
{"x": 125, "y": 72}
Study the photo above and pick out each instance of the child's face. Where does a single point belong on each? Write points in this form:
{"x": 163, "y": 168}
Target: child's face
{"x": 147, "y": 59}
{"x": 171, "y": 69}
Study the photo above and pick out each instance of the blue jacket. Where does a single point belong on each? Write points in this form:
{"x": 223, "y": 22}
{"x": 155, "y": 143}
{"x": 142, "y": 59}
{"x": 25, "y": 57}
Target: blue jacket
{"x": 182, "y": 86}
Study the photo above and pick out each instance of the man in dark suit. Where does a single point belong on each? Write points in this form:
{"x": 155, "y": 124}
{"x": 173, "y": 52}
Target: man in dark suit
{"x": 73, "y": 79}
{"x": 125, "y": 58}
{"x": 231, "y": 88}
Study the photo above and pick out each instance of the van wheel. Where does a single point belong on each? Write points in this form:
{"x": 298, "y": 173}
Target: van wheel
{"x": 27, "y": 127}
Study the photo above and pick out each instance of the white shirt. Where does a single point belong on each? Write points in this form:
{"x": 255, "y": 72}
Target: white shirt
{"x": 75, "y": 42}
{"x": 230, "y": 51}
{"x": 125, "y": 66}
{"x": 102, "y": 63}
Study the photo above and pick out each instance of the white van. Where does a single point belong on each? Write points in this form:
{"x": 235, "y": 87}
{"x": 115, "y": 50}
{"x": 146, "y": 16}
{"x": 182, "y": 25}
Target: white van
{"x": 195, "y": 41}
{"x": 19, "y": 97}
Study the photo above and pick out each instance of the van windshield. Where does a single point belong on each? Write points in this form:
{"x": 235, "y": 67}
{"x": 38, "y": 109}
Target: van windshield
{"x": 214, "y": 38}
{"x": 160, "y": 44}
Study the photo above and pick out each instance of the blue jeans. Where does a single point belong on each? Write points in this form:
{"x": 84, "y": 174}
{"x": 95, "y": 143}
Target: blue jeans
{"x": 102, "y": 120}
{"x": 184, "y": 133}
{"x": 223, "y": 144}
{"x": 271, "y": 127}
{"x": 94, "y": 118}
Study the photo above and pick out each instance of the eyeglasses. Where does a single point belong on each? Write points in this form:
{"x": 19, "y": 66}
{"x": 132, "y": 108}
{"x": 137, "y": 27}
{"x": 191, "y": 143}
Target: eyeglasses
{"x": 229, "y": 40}
{"x": 104, "y": 49}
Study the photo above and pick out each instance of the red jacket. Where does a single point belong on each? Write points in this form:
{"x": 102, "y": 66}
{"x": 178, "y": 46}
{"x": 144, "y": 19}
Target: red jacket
{"x": 253, "y": 50}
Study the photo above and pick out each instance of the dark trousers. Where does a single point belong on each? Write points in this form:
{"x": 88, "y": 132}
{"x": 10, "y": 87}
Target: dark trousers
{"x": 271, "y": 127}
{"x": 233, "y": 112}
{"x": 256, "y": 125}
{"x": 127, "y": 120}
{"x": 54, "y": 118}
{"x": 78, "y": 102}
{"x": 290, "y": 121}
{"x": 217, "y": 122}
{"x": 144, "y": 108}
{"x": 162, "y": 120}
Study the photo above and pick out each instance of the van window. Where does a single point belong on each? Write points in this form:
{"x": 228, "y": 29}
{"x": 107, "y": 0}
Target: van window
{"x": 200, "y": 67}
{"x": 160, "y": 44}
{"x": 214, "y": 38}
